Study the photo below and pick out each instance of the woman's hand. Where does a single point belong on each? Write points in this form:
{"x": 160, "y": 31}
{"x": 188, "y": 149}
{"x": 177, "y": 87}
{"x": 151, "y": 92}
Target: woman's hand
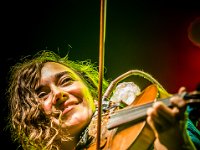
{"x": 168, "y": 124}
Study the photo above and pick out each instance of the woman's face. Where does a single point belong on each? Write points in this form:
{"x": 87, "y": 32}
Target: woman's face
{"x": 62, "y": 90}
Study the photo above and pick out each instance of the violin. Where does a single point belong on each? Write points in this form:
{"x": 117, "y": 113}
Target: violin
{"x": 128, "y": 128}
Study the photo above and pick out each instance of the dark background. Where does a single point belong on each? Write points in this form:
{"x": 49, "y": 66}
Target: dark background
{"x": 149, "y": 35}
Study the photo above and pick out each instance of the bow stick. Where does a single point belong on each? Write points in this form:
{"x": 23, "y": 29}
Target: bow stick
{"x": 101, "y": 65}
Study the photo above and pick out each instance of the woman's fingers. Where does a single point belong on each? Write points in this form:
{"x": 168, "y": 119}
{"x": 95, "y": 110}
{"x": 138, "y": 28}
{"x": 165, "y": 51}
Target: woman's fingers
{"x": 160, "y": 117}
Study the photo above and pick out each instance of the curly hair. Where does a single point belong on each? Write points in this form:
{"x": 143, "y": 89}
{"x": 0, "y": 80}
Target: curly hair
{"x": 28, "y": 124}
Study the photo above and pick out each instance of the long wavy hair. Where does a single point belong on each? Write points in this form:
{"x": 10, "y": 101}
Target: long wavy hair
{"x": 30, "y": 127}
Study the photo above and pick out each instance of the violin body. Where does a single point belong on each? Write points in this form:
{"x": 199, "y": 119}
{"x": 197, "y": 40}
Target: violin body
{"x": 136, "y": 136}
{"x": 131, "y": 136}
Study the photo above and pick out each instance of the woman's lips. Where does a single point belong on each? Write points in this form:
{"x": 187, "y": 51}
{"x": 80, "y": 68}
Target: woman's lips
{"x": 67, "y": 109}
{"x": 69, "y": 105}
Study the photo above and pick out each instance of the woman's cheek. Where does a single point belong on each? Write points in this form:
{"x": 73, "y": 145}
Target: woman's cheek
{"x": 77, "y": 89}
{"x": 47, "y": 107}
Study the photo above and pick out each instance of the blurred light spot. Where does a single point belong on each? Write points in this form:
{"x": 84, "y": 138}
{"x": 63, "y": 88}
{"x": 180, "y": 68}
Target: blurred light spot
{"x": 194, "y": 32}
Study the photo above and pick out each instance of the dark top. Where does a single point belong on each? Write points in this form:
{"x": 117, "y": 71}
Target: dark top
{"x": 192, "y": 125}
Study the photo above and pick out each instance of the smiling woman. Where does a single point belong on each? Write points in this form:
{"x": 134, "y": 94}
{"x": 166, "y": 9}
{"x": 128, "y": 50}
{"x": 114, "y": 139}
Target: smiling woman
{"x": 50, "y": 102}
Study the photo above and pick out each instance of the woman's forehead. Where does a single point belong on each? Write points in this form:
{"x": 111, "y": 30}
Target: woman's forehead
{"x": 52, "y": 68}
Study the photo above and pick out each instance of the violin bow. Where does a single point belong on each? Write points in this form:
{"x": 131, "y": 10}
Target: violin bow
{"x": 103, "y": 5}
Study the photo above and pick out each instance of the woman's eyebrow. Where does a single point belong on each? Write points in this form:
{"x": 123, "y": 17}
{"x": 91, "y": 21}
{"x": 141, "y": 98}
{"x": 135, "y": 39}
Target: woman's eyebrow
{"x": 60, "y": 74}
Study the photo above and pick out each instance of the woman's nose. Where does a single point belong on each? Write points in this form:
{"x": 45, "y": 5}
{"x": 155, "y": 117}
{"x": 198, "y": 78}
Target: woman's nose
{"x": 59, "y": 95}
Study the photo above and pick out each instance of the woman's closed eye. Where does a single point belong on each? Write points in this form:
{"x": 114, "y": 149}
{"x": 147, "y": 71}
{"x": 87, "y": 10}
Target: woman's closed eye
{"x": 42, "y": 92}
{"x": 65, "y": 81}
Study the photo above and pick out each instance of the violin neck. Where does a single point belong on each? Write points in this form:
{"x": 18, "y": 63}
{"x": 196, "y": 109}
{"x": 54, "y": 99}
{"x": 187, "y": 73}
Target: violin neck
{"x": 138, "y": 113}
{"x": 133, "y": 114}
